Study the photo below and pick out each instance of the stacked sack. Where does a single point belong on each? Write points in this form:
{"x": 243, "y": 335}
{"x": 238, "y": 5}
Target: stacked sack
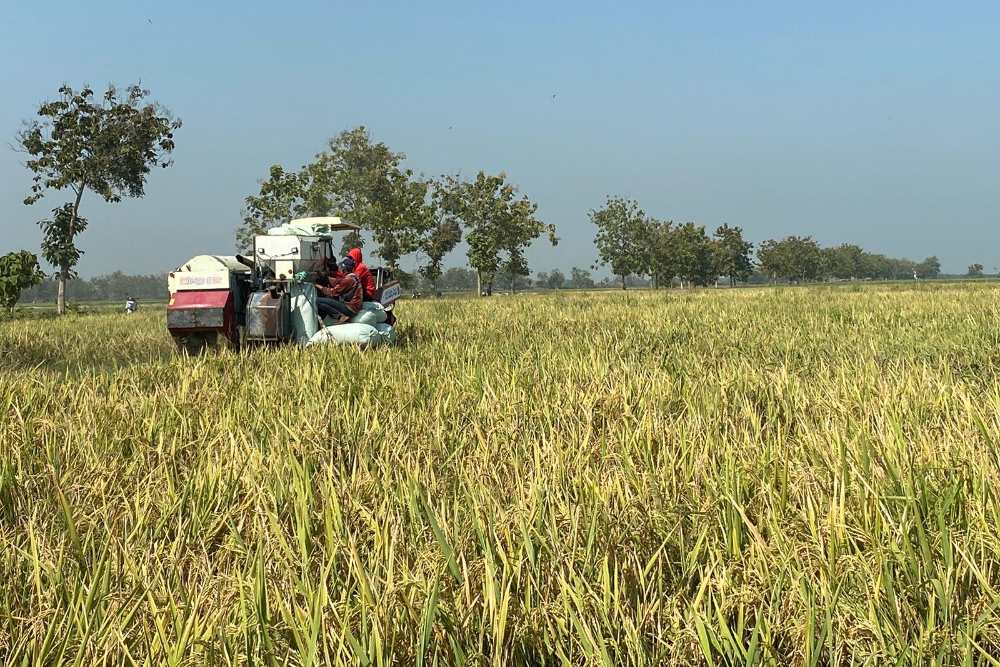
{"x": 367, "y": 328}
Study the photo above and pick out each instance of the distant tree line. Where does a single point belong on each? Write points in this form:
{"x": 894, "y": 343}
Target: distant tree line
{"x": 801, "y": 259}
{"x": 632, "y": 243}
{"x": 111, "y": 287}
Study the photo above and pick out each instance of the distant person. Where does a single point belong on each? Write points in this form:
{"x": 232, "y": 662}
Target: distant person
{"x": 131, "y": 305}
{"x": 341, "y": 292}
{"x": 363, "y": 274}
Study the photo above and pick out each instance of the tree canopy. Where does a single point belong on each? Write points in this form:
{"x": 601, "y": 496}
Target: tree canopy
{"x": 499, "y": 225}
{"x": 732, "y": 254}
{"x": 622, "y": 237}
{"x": 107, "y": 145}
{"x": 358, "y": 179}
{"x": 18, "y": 271}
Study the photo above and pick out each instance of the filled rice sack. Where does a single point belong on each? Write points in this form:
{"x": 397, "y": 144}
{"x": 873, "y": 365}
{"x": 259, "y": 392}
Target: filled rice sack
{"x": 371, "y": 313}
{"x": 386, "y": 331}
{"x": 351, "y": 334}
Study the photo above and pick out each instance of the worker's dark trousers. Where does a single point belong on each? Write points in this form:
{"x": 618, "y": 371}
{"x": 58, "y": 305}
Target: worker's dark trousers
{"x": 327, "y": 307}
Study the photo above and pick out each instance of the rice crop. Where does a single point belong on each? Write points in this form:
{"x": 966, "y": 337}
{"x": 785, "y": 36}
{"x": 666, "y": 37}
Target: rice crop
{"x": 795, "y": 476}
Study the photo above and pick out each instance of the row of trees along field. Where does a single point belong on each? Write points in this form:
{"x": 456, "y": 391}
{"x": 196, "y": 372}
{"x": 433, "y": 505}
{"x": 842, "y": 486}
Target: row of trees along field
{"x": 402, "y": 213}
{"x": 635, "y": 244}
{"x": 108, "y": 144}
{"x": 115, "y": 286}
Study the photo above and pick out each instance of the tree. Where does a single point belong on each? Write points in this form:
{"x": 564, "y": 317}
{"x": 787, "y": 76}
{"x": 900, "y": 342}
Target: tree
{"x": 795, "y": 258}
{"x": 515, "y": 268}
{"x": 695, "y": 254}
{"x": 975, "y": 270}
{"x": 364, "y": 182}
{"x": 18, "y": 271}
{"x": 107, "y": 146}
{"x": 499, "y": 225}
{"x": 732, "y": 254}
{"x": 662, "y": 252}
{"x": 357, "y": 179}
{"x": 580, "y": 278}
{"x": 929, "y": 268}
{"x": 622, "y": 231}
{"x": 282, "y": 197}
{"x": 58, "y": 236}
{"x": 442, "y": 239}
{"x": 556, "y": 279}
{"x": 458, "y": 278}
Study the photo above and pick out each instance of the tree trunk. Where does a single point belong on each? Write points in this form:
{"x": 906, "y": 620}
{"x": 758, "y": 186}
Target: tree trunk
{"x": 64, "y": 271}
{"x": 479, "y": 283}
{"x": 623, "y": 281}
{"x": 61, "y": 279}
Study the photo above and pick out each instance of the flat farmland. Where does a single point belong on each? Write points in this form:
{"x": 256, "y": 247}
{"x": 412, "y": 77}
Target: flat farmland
{"x": 756, "y": 476}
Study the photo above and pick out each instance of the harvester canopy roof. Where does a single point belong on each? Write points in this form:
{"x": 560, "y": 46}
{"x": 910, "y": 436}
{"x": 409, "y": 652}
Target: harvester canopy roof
{"x": 213, "y": 263}
{"x": 312, "y": 227}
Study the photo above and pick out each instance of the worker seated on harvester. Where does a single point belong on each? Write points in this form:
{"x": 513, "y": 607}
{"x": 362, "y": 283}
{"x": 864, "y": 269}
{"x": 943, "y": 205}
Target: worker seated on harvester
{"x": 341, "y": 291}
{"x": 363, "y": 274}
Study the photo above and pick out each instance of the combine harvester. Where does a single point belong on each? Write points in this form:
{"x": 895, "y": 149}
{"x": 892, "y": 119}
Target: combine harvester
{"x": 270, "y": 298}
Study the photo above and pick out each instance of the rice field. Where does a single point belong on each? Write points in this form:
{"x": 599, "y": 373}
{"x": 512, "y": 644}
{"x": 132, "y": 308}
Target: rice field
{"x": 797, "y": 476}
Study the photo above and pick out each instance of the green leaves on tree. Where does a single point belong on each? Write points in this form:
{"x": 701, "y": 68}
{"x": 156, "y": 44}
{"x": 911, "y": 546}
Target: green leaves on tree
{"x": 107, "y": 145}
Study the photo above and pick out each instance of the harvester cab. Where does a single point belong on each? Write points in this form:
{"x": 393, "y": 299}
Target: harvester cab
{"x": 267, "y": 298}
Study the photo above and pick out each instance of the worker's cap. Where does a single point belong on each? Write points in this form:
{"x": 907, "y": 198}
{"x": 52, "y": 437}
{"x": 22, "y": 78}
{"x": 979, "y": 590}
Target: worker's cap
{"x": 347, "y": 264}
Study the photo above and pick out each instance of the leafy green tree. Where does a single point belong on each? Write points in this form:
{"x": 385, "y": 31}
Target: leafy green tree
{"x": 515, "y": 268}
{"x": 794, "y": 258}
{"x": 695, "y": 254}
{"x": 458, "y": 278}
{"x": 556, "y": 279}
{"x": 770, "y": 259}
{"x": 622, "y": 237}
{"x": 364, "y": 182}
{"x": 441, "y": 240}
{"x": 732, "y": 254}
{"x": 107, "y": 146}
{"x": 18, "y": 272}
{"x": 499, "y": 225}
{"x": 929, "y": 268}
{"x": 580, "y": 278}
{"x": 59, "y": 241}
{"x": 975, "y": 270}
{"x": 282, "y": 197}
{"x": 662, "y": 252}
{"x": 358, "y": 179}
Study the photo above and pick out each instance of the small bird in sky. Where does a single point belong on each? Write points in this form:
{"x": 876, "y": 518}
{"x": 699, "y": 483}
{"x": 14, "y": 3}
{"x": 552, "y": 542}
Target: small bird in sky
{"x": 149, "y": 21}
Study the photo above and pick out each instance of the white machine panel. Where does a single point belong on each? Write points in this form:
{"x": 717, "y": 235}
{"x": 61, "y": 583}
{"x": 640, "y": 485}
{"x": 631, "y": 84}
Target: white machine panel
{"x": 287, "y": 255}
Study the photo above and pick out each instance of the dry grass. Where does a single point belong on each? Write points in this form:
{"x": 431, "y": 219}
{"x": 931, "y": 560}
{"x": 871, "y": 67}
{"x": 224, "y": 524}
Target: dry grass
{"x": 797, "y": 476}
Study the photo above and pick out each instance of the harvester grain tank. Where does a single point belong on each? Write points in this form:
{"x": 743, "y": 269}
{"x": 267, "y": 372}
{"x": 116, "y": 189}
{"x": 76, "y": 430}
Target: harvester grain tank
{"x": 266, "y": 298}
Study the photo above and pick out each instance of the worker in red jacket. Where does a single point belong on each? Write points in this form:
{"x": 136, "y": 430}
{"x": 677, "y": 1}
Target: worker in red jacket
{"x": 341, "y": 292}
{"x": 363, "y": 274}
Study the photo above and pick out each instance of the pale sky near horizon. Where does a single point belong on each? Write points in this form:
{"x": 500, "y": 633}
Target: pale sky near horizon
{"x": 874, "y": 123}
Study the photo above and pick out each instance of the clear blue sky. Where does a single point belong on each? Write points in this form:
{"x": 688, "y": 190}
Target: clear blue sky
{"x": 875, "y": 123}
